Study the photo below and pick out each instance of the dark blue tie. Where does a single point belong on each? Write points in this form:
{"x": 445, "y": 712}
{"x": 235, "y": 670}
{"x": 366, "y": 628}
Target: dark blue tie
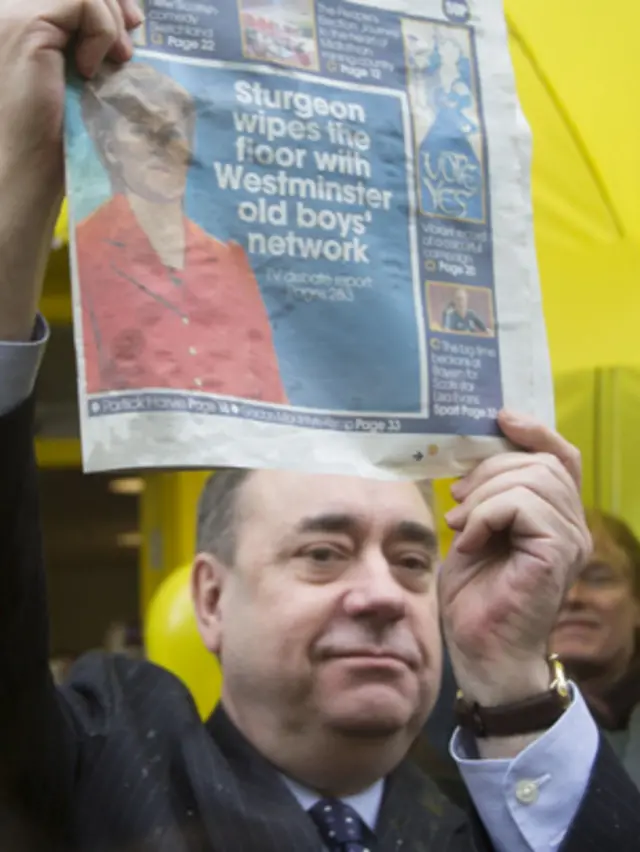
{"x": 340, "y": 827}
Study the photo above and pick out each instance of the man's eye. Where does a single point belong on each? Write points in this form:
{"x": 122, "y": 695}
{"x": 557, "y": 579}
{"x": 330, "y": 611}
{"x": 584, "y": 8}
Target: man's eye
{"x": 324, "y": 554}
{"x": 415, "y": 563}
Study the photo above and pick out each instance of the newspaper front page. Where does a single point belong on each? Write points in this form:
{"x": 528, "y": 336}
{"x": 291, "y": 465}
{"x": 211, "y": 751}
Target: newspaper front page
{"x": 301, "y": 237}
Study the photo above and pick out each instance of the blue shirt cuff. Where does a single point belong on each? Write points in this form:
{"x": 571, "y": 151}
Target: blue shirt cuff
{"x": 529, "y": 803}
{"x": 19, "y": 364}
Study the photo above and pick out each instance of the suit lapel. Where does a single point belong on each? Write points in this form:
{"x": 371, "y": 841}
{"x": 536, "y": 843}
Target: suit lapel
{"x": 415, "y": 816}
{"x": 252, "y": 810}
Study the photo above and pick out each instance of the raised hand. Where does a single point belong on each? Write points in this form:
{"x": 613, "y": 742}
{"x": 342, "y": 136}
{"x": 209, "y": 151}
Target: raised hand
{"x": 37, "y": 36}
{"x": 521, "y": 537}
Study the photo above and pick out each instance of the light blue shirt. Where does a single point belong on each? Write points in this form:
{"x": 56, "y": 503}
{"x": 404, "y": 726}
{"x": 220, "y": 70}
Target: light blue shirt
{"x": 365, "y": 804}
{"x": 526, "y": 804}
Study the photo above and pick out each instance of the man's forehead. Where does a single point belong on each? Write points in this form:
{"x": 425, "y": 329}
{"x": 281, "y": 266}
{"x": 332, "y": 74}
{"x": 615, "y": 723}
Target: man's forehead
{"x": 288, "y": 497}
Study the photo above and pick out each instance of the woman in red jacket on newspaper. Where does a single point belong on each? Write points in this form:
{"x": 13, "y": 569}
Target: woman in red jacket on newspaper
{"x": 164, "y": 304}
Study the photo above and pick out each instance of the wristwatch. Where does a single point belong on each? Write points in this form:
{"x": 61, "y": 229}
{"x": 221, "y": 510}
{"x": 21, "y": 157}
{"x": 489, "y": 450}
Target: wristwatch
{"x": 524, "y": 717}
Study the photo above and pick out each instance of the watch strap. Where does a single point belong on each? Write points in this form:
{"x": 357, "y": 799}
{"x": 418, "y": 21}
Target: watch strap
{"x": 524, "y": 717}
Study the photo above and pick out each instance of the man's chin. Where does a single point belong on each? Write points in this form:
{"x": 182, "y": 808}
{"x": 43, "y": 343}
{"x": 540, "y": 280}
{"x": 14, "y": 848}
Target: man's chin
{"x": 367, "y": 727}
{"x": 375, "y": 716}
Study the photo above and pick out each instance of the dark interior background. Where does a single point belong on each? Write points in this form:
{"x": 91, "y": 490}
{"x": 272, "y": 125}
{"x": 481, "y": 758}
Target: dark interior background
{"x": 92, "y": 567}
{"x": 89, "y": 532}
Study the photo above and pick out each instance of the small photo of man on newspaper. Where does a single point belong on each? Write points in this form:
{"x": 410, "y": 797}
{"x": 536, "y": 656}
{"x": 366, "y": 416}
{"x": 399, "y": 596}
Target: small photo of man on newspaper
{"x": 461, "y": 310}
{"x": 164, "y": 303}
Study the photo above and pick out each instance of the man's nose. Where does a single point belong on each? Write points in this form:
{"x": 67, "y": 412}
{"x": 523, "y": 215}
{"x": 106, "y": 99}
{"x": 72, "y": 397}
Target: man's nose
{"x": 376, "y": 593}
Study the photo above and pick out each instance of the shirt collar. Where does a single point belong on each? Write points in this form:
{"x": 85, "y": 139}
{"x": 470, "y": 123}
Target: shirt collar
{"x": 366, "y": 804}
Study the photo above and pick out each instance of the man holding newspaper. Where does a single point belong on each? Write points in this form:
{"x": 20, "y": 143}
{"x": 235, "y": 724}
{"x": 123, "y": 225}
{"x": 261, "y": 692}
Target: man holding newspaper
{"x": 327, "y": 626}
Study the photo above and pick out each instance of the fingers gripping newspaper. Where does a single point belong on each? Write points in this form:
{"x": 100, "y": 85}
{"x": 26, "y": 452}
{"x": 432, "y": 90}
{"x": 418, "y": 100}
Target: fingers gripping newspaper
{"x": 301, "y": 237}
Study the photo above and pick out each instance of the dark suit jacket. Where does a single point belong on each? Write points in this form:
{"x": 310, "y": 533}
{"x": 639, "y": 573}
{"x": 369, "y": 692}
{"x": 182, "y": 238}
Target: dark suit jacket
{"x": 118, "y": 760}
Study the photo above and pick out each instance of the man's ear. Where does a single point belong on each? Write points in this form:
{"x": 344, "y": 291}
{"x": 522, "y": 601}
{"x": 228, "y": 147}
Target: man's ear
{"x": 207, "y": 580}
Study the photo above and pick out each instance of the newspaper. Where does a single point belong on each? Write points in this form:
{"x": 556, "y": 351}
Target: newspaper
{"x": 301, "y": 237}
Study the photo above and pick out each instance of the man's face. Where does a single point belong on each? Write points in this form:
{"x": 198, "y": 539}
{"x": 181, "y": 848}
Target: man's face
{"x": 460, "y": 302}
{"x": 329, "y": 615}
{"x": 151, "y": 146}
{"x": 595, "y": 633}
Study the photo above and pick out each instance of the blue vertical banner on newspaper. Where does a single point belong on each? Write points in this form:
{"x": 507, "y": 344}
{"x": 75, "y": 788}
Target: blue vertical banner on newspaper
{"x": 310, "y": 180}
{"x": 454, "y": 221}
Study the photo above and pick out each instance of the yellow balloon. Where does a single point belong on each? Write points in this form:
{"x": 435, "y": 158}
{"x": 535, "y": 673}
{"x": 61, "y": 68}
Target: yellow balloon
{"x": 172, "y": 640}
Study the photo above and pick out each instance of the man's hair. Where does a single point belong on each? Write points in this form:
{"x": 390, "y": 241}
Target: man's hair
{"x": 620, "y": 534}
{"x": 129, "y": 91}
{"x": 218, "y": 512}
